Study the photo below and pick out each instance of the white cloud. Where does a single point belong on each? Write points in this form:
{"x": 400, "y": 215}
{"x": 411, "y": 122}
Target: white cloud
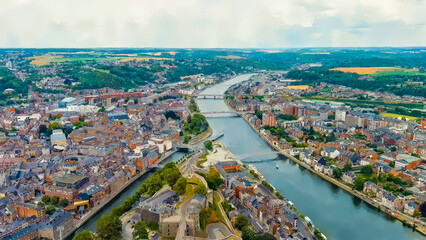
{"x": 211, "y": 23}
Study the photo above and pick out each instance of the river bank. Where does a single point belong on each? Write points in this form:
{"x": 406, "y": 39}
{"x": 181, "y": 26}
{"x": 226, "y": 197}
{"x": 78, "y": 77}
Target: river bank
{"x": 397, "y": 215}
{"x": 337, "y": 213}
{"x": 201, "y": 137}
{"x": 88, "y": 221}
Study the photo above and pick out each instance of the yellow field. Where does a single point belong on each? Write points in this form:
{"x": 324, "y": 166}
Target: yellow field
{"x": 372, "y": 70}
{"x": 127, "y": 59}
{"x": 159, "y": 53}
{"x": 394, "y": 115}
{"x": 43, "y": 60}
{"x": 316, "y": 53}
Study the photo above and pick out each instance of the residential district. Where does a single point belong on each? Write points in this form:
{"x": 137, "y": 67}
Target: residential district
{"x": 62, "y": 160}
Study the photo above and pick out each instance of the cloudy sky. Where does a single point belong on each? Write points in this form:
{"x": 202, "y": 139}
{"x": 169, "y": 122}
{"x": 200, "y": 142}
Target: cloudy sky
{"x": 212, "y": 23}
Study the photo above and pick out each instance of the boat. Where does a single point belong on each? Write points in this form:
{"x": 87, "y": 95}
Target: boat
{"x": 277, "y": 166}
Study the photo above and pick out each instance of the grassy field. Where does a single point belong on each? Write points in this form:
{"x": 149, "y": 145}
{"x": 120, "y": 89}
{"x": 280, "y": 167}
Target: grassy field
{"x": 394, "y": 115}
{"x": 189, "y": 191}
{"x": 378, "y": 71}
{"x": 201, "y": 160}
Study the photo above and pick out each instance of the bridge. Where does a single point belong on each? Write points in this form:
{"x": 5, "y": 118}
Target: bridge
{"x": 256, "y": 154}
{"x": 219, "y": 112}
{"x": 260, "y": 161}
{"x": 214, "y": 96}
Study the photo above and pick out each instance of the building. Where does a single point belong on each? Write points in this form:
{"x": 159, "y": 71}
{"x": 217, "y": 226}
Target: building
{"x": 268, "y": 119}
{"x": 340, "y": 115}
{"x": 65, "y": 102}
{"x": 349, "y": 177}
{"x": 58, "y": 138}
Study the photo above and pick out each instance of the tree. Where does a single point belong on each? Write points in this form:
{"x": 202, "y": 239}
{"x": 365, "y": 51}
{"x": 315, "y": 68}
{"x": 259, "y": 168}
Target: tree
{"x": 422, "y": 209}
{"x": 213, "y": 179}
{"x": 416, "y": 214}
{"x": 330, "y": 138}
{"x": 248, "y": 234}
{"x": 154, "y": 184}
{"x": 180, "y": 186}
{"x": 140, "y": 231}
{"x": 359, "y": 183}
{"x": 54, "y": 125}
{"x": 171, "y": 175}
{"x": 200, "y": 189}
{"x": 50, "y": 209}
{"x": 367, "y": 170}
{"x": 152, "y": 225}
{"x": 347, "y": 167}
{"x": 54, "y": 200}
{"x": 318, "y": 234}
{"x": 45, "y": 199}
{"x": 185, "y": 139}
{"x": 337, "y": 173}
{"x": 311, "y": 131}
{"x": 208, "y": 145}
{"x": 64, "y": 203}
{"x": 241, "y": 221}
{"x": 266, "y": 236}
{"x": 204, "y": 214}
{"x": 226, "y": 205}
{"x": 85, "y": 235}
{"x": 109, "y": 227}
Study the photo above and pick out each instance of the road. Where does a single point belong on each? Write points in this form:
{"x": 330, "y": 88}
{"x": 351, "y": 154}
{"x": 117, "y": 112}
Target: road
{"x": 218, "y": 231}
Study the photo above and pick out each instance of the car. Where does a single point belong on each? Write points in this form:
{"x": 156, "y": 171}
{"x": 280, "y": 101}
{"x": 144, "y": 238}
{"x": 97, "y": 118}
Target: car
{"x": 153, "y": 234}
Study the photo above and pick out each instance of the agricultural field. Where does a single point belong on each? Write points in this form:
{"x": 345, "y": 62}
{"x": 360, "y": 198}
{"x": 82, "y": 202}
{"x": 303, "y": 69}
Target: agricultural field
{"x": 160, "y": 53}
{"x": 379, "y": 71}
{"x": 52, "y": 59}
{"x": 49, "y": 59}
{"x": 128, "y": 59}
{"x": 394, "y": 115}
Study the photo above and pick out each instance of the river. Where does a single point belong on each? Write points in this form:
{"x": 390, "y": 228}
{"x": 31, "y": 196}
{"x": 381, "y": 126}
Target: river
{"x": 128, "y": 192}
{"x": 338, "y": 214}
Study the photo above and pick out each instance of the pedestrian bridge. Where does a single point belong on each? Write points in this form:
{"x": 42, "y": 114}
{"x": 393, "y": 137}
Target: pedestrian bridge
{"x": 241, "y": 157}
